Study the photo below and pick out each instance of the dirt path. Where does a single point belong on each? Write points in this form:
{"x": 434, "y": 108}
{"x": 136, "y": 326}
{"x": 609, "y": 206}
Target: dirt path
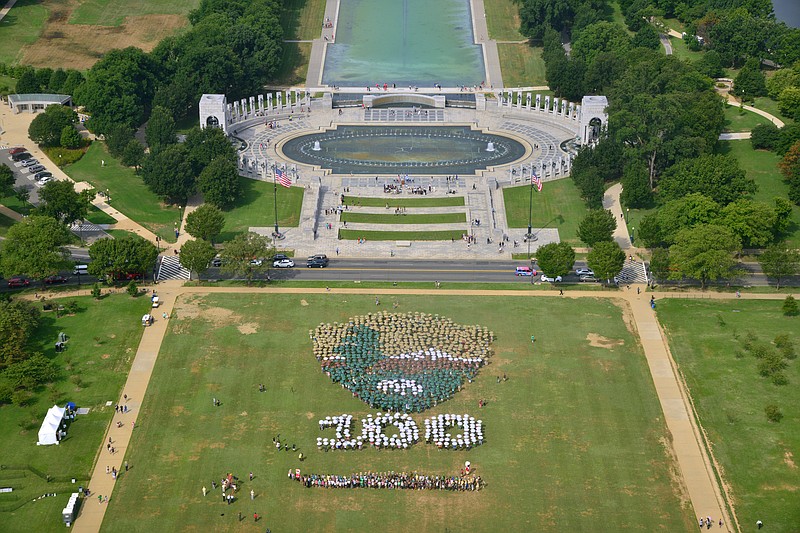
{"x": 693, "y": 462}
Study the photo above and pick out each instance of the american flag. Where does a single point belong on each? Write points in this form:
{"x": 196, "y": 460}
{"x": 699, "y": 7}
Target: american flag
{"x": 536, "y": 180}
{"x": 282, "y": 178}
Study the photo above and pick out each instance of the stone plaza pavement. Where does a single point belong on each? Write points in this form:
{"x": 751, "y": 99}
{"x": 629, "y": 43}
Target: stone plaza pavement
{"x": 692, "y": 461}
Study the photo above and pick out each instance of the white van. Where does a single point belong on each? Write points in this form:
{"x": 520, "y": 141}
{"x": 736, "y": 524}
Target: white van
{"x": 80, "y": 270}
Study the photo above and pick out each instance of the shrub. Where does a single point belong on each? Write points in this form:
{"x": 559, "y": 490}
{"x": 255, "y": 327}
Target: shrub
{"x": 771, "y": 364}
{"x": 22, "y": 398}
{"x": 64, "y": 156}
{"x": 779, "y": 378}
{"x": 96, "y": 291}
{"x": 773, "y": 413}
{"x": 133, "y": 289}
{"x": 790, "y": 306}
{"x": 72, "y": 307}
{"x": 788, "y": 352}
{"x": 759, "y": 350}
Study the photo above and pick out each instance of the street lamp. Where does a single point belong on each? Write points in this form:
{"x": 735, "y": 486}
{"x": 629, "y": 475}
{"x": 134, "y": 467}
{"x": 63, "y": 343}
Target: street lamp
{"x": 627, "y": 213}
{"x": 530, "y": 236}
{"x": 633, "y": 234}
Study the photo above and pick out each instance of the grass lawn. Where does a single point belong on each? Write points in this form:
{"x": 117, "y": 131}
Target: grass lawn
{"x": 502, "y": 20}
{"x": 681, "y": 51}
{"x": 93, "y": 370}
{"x": 391, "y": 218}
{"x": 762, "y": 166}
{"x": 522, "y": 65}
{"x": 12, "y": 202}
{"x": 392, "y": 202}
{"x": 771, "y": 106}
{"x": 8, "y": 82}
{"x": 737, "y": 119}
{"x": 256, "y": 207}
{"x": 444, "y": 235}
{"x": 5, "y": 223}
{"x": 302, "y": 19}
{"x": 128, "y": 192}
{"x": 97, "y": 216}
{"x": 114, "y": 12}
{"x": 574, "y": 438}
{"x": 559, "y": 206}
{"x": 294, "y": 64}
{"x": 21, "y": 26}
{"x": 757, "y": 456}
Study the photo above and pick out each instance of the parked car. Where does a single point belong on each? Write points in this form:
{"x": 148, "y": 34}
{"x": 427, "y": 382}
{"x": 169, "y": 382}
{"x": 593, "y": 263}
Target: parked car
{"x": 20, "y": 156}
{"x": 35, "y": 168}
{"x": 546, "y": 278}
{"x": 525, "y": 271}
{"x": 316, "y": 263}
{"x": 279, "y": 257}
{"x": 319, "y": 257}
{"x": 17, "y": 150}
{"x": 49, "y": 280}
{"x": 30, "y": 162}
{"x": 216, "y": 262}
{"x": 283, "y": 263}
{"x": 43, "y": 174}
{"x": 256, "y": 262}
{"x": 584, "y": 271}
{"x": 45, "y": 180}
{"x": 18, "y": 282}
{"x": 587, "y": 277}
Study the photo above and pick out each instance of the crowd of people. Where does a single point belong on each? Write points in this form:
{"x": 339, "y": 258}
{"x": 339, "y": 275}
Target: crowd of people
{"x": 389, "y": 480}
{"x": 436, "y": 431}
{"x": 401, "y": 362}
{"x": 371, "y": 433}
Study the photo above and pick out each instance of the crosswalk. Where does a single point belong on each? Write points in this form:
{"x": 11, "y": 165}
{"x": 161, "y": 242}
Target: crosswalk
{"x": 169, "y": 267}
{"x": 632, "y": 272}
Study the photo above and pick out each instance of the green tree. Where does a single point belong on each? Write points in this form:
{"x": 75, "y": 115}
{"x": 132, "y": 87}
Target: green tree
{"x": 537, "y": 15}
{"x": 646, "y": 37}
{"x": 606, "y": 259}
{"x": 659, "y": 263}
{"x": 70, "y": 138}
{"x": 34, "y": 247}
{"x": 753, "y": 222}
{"x": 133, "y": 155}
{"x": 783, "y": 216}
{"x": 160, "y": 130}
{"x": 169, "y": 174}
{"x": 710, "y": 64}
{"x": 636, "y": 192}
{"x": 779, "y": 261}
{"x": 718, "y": 177}
{"x": 764, "y": 136}
{"x": 780, "y": 80}
{"x": 22, "y": 193}
{"x": 117, "y": 138}
{"x": 601, "y": 37}
{"x": 18, "y": 320}
{"x": 205, "y": 222}
{"x": 133, "y": 289}
{"x": 60, "y": 201}
{"x": 7, "y": 181}
{"x": 790, "y": 168}
{"x": 750, "y": 82}
{"x": 243, "y": 255}
{"x": 28, "y": 82}
{"x": 74, "y": 79}
{"x": 789, "y": 101}
{"x": 56, "y": 81}
{"x": 705, "y": 253}
{"x": 219, "y": 183}
{"x": 598, "y": 225}
{"x": 205, "y": 145}
{"x": 555, "y": 259}
{"x": 128, "y": 255}
{"x": 790, "y": 307}
{"x": 196, "y": 255}
{"x": 47, "y": 127}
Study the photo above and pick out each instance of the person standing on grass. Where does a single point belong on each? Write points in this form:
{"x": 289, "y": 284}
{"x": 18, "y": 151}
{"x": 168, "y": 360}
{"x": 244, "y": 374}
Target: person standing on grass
{"x": 252, "y": 495}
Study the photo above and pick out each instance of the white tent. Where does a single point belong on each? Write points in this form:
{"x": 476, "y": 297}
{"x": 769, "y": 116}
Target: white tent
{"x": 48, "y": 433}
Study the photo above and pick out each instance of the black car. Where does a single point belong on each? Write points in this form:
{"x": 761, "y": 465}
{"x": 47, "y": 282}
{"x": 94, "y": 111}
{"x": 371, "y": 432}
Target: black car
{"x": 22, "y": 156}
{"x": 279, "y": 257}
{"x": 49, "y": 280}
{"x": 316, "y": 263}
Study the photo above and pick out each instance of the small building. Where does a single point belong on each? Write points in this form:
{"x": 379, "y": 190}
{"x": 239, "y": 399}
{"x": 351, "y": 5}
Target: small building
{"x": 33, "y": 103}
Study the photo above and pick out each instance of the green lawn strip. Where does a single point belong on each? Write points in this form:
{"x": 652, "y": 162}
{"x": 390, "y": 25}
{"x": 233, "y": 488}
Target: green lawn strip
{"x": 128, "y": 192}
{"x": 738, "y": 119}
{"x": 520, "y": 283}
{"x": 8, "y": 82}
{"x": 404, "y": 218}
{"x": 302, "y": 19}
{"x": 444, "y": 235}
{"x": 96, "y": 216}
{"x": 522, "y": 65}
{"x": 294, "y": 64}
{"x": 103, "y": 337}
{"x": 502, "y": 20}
{"x": 558, "y": 206}
{"x": 22, "y": 25}
{"x": 762, "y": 166}
{"x": 771, "y": 106}
{"x": 120, "y": 233}
{"x": 575, "y": 427}
{"x": 114, "y": 12}
{"x": 392, "y": 202}
{"x": 730, "y": 396}
{"x": 5, "y": 223}
{"x": 15, "y": 204}
{"x": 681, "y": 51}
{"x": 256, "y": 208}
{"x": 619, "y": 18}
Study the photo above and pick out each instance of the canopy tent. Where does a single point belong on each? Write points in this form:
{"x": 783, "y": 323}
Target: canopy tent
{"x": 48, "y": 433}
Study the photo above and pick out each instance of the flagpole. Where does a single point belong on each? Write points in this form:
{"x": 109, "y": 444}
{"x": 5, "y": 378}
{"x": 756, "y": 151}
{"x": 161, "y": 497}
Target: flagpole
{"x": 277, "y": 233}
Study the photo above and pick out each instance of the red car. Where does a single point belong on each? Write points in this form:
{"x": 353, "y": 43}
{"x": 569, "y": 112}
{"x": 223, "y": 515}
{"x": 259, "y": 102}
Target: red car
{"x": 16, "y": 150}
{"x": 49, "y": 280}
{"x": 18, "y": 282}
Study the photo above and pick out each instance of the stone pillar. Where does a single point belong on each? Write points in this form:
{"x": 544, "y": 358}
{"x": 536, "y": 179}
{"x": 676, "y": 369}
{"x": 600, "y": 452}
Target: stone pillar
{"x": 260, "y": 103}
{"x": 253, "y": 106}
{"x": 547, "y": 104}
{"x": 288, "y": 99}
{"x": 538, "y": 102}
{"x": 519, "y": 99}
{"x": 214, "y": 111}
{"x": 269, "y": 101}
{"x": 499, "y": 96}
{"x": 528, "y": 101}
{"x": 556, "y": 104}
